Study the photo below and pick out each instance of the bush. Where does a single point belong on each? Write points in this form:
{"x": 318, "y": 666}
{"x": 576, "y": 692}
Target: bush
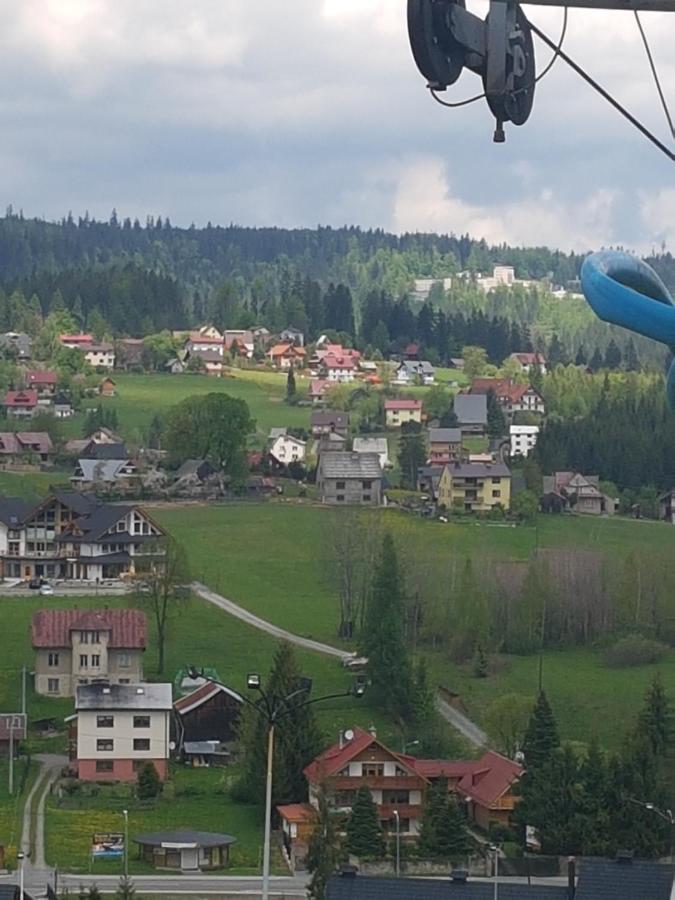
{"x": 634, "y": 650}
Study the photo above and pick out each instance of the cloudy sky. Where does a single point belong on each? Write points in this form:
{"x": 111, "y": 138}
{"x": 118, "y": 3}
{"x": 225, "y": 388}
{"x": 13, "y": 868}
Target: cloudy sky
{"x": 300, "y": 112}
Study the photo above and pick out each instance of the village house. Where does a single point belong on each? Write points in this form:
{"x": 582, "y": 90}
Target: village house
{"x": 118, "y": 728}
{"x": 62, "y": 407}
{"x": 212, "y": 361}
{"x": 326, "y": 421}
{"x": 523, "y": 439}
{"x": 98, "y": 474}
{"x": 294, "y": 336}
{"x": 428, "y": 478}
{"x": 531, "y": 362}
{"x": 331, "y": 441}
{"x": 83, "y": 446}
{"x": 21, "y": 404}
{"x": 239, "y": 343}
{"x": 284, "y": 448}
{"x": 201, "y": 343}
{"x": 77, "y": 646}
{"x": 373, "y": 445}
{"x": 400, "y": 412}
{"x": 210, "y": 331}
{"x": 76, "y": 341}
{"x": 206, "y": 721}
{"x": 17, "y": 345}
{"x": 471, "y": 412}
{"x": 413, "y": 371}
{"x": 349, "y": 479}
{"x": 512, "y": 397}
{"x": 283, "y": 356}
{"x": 475, "y": 487}
{"x": 667, "y": 507}
{"x": 100, "y": 356}
{"x": 445, "y": 445}
{"x": 107, "y": 388}
{"x": 25, "y": 446}
{"x": 42, "y": 381}
{"x": 338, "y": 369}
{"x": 581, "y": 493}
{"x": 74, "y": 536}
{"x": 318, "y": 389}
{"x": 325, "y": 356}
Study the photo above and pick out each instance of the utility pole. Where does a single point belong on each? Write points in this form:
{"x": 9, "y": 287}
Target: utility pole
{"x": 23, "y": 690}
{"x": 11, "y": 756}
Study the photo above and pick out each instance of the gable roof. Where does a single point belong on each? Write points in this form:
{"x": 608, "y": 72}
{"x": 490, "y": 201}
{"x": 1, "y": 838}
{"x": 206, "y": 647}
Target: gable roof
{"x": 363, "y": 888}
{"x": 371, "y": 445}
{"x": 402, "y": 404}
{"x": 13, "y": 511}
{"x": 336, "y": 757}
{"x": 21, "y": 398}
{"x": 348, "y": 464}
{"x": 530, "y": 359}
{"x": 25, "y": 441}
{"x": 50, "y": 628}
{"x": 490, "y": 778}
{"x": 330, "y": 417}
{"x": 417, "y": 367}
{"x": 471, "y": 409}
{"x": 123, "y": 696}
{"x": 445, "y": 435}
{"x": 106, "y": 451}
{"x": 40, "y": 376}
{"x": 101, "y": 470}
{"x": 201, "y": 695}
{"x": 478, "y": 470}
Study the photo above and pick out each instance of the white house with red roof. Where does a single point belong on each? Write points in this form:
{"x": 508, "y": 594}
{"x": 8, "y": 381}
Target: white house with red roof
{"x": 202, "y": 343}
{"x": 531, "y": 362}
{"x": 42, "y": 381}
{"x": 21, "y": 404}
{"x": 76, "y": 341}
{"x": 77, "y": 646}
{"x": 512, "y": 397}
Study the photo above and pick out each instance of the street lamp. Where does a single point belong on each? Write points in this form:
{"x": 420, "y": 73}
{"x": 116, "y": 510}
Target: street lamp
{"x": 666, "y": 815}
{"x": 398, "y": 843}
{"x": 272, "y": 709}
{"x": 21, "y": 856}
{"x": 495, "y": 849}
{"x": 410, "y": 744}
{"x": 125, "y": 813}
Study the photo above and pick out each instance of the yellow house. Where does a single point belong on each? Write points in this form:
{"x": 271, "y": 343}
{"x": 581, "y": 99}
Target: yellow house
{"x": 400, "y": 412}
{"x": 475, "y": 487}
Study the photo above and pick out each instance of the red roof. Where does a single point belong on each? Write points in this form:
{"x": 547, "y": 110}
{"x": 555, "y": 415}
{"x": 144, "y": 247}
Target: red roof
{"x": 335, "y": 758}
{"x": 77, "y": 338}
{"x": 201, "y": 695}
{"x": 531, "y": 359}
{"x": 297, "y": 812}
{"x": 403, "y": 404}
{"x": 51, "y": 627}
{"x": 487, "y": 781}
{"x": 338, "y": 362}
{"x": 318, "y": 387}
{"x": 41, "y": 377}
{"x": 504, "y": 388}
{"x": 443, "y": 768}
{"x": 21, "y": 398}
{"x": 284, "y": 349}
{"x": 197, "y": 338}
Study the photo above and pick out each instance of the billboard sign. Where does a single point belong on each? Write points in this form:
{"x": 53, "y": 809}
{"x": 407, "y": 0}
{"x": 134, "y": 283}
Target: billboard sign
{"x": 109, "y": 845}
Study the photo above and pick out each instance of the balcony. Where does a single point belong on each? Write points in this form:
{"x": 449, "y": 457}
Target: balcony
{"x": 377, "y": 782}
{"x": 405, "y": 810}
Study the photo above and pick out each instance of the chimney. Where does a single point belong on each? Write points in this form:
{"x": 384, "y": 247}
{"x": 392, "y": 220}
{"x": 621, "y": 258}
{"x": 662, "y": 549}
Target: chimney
{"x": 571, "y": 877}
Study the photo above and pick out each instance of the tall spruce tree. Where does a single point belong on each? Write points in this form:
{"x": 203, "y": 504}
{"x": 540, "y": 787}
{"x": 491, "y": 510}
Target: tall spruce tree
{"x": 541, "y": 737}
{"x": 496, "y": 421}
{"x": 297, "y": 739}
{"x": 384, "y": 641}
{"x": 443, "y": 833}
{"x": 364, "y": 835}
{"x": 323, "y": 852}
{"x": 653, "y": 720}
{"x": 290, "y": 385}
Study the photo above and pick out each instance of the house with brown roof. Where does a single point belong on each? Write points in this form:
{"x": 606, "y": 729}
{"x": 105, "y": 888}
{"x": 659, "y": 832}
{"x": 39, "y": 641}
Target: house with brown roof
{"x": 511, "y": 397}
{"x": 531, "y": 362}
{"x": 285, "y": 355}
{"x": 579, "y": 492}
{"x": 22, "y": 446}
{"x": 42, "y": 381}
{"x": 400, "y": 412}
{"x": 205, "y": 721}
{"x": 108, "y": 387}
{"x": 79, "y": 646}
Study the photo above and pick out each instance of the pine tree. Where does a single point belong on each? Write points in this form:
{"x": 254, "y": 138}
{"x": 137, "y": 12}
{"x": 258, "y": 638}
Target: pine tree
{"x": 323, "y": 852}
{"x": 556, "y": 352}
{"x": 596, "y": 361}
{"x": 443, "y": 833}
{"x": 126, "y": 889}
{"x": 653, "y": 720}
{"x": 364, "y": 835}
{"x": 384, "y": 634}
{"x": 613, "y": 356}
{"x": 496, "y": 421}
{"x": 631, "y": 360}
{"x": 149, "y": 783}
{"x": 290, "y": 385}
{"x": 596, "y": 810}
{"x": 541, "y": 737}
{"x": 580, "y": 359}
{"x": 480, "y": 662}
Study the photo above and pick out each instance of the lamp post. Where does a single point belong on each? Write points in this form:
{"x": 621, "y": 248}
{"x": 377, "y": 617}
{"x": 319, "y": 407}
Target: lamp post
{"x": 495, "y": 849}
{"x": 273, "y": 709}
{"x": 398, "y": 843}
{"x": 667, "y": 816}
{"x": 21, "y": 857}
{"x": 125, "y": 813}
{"x": 410, "y": 744}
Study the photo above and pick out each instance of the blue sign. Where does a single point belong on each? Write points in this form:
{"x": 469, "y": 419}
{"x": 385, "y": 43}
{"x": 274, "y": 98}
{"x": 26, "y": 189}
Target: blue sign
{"x": 107, "y": 846}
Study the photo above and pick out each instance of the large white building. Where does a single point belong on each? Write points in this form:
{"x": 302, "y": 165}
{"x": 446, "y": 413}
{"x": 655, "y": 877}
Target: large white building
{"x": 523, "y": 439}
{"x": 118, "y": 728}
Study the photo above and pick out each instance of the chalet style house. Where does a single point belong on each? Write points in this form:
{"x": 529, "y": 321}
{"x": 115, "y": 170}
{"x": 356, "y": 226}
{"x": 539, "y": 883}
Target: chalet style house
{"x": 75, "y": 537}
{"x": 398, "y": 783}
{"x": 79, "y": 646}
{"x": 118, "y": 728}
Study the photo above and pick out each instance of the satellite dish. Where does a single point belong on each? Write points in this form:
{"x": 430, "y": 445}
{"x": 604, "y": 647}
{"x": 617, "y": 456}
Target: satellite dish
{"x": 172, "y": 745}
{"x": 349, "y": 735}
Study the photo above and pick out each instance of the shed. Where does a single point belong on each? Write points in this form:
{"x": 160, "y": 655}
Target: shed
{"x": 188, "y": 851}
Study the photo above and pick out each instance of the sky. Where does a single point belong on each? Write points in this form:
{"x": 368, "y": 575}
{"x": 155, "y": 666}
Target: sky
{"x": 303, "y": 112}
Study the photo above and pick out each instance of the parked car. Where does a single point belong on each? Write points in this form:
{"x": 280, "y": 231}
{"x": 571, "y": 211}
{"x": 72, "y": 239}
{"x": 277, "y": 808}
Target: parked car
{"x": 46, "y": 589}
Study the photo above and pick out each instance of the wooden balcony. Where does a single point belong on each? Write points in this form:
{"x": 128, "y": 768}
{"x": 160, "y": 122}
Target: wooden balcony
{"x": 377, "y": 782}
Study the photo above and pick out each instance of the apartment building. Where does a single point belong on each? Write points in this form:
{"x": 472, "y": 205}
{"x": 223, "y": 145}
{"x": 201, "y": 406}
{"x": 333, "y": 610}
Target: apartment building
{"x": 475, "y": 487}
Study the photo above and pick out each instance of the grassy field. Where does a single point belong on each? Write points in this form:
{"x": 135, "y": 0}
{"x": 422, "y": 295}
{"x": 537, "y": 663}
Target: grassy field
{"x": 11, "y": 805}
{"x": 30, "y": 485}
{"x": 274, "y": 560}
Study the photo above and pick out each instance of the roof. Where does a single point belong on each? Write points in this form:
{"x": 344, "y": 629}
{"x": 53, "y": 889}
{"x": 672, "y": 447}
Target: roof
{"x": 297, "y": 812}
{"x": 80, "y": 503}
{"x": 487, "y": 781}
{"x": 277, "y": 433}
{"x": 201, "y": 695}
{"x": 103, "y": 347}
{"x": 192, "y": 467}
{"x": 189, "y": 839}
{"x": 338, "y": 362}
{"x": 39, "y": 376}
{"x": 371, "y": 445}
{"x": 402, "y": 404}
{"x": 208, "y": 356}
{"x": 362, "y": 888}
{"x": 100, "y": 470}
{"x": 346, "y": 464}
{"x": 445, "y": 435}
{"x": 24, "y": 441}
{"x": 13, "y": 510}
{"x": 418, "y": 367}
{"x": 330, "y": 417}
{"x": 196, "y": 338}
{"x": 530, "y": 359}
{"x": 76, "y": 338}
{"x": 21, "y": 398}
{"x": 605, "y": 879}
{"x": 106, "y": 451}
{"x": 336, "y": 757}
{"x": 479, "y": 470}
{"x": 471, "y": 409}
{"x": 51, "y": 628}
{"x": 123, "y": 696}
{"x": 283, "y": 349}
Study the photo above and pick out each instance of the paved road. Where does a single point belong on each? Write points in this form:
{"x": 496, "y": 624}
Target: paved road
{"x": 196, "y": 885}
{"x": 458, "y": 720}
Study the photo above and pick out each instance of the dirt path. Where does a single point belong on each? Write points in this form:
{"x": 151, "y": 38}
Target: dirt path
{"x": 34, "y": 845}
{"x": 454, "y": 717}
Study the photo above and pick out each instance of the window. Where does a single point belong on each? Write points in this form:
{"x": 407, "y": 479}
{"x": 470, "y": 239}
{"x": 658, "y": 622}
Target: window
{"x": 141, "y": 743}
{"x": 373, "y": 769}
{"x": 95, "y": 661}
{"x": 141, "y": 721}
{"x": 496, "y": 481}
{"x": 344, "y": 798}
{"x": 367, "y": 485}
{"x": 105, "y": 765}
{"x": 125, "y": 681}
{"x": 340, "y": 498}
{"x": 496, "y": 493}
{"x": 340, "y": 485}
{"x": 366, "y": 498}
{"x": 84, "y": 637}
{"x": 53, "y": 659}
{"x": 396, "y": 796}
{"x": 105, "y": 721}
{"x": 95, "y": 637}
{"x": 52, "y": 685}
{"x": 123, "y": 660}
{"x": 84, "y": 660}
{"x": 104, "y": 745}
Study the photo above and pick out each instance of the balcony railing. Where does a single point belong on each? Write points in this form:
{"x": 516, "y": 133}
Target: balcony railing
{"x": 377, "y": 782}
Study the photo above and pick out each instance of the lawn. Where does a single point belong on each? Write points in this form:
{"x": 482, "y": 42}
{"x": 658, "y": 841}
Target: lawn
{"x": 274, "y": 560}
{"x": 30, "y": 485}
{"x": 11, "y": 805}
